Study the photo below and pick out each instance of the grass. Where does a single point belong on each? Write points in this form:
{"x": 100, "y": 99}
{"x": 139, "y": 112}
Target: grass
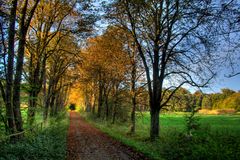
{"x": 49, "y": 144}
{"x": 217, "y": 138}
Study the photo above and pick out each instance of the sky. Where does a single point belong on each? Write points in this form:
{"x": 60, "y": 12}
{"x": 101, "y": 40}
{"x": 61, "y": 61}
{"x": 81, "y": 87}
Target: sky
{"x": 224, "y": 82}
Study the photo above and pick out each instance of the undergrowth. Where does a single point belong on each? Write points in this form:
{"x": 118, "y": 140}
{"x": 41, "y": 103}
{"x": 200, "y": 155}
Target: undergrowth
{"x": 48, "y": 144}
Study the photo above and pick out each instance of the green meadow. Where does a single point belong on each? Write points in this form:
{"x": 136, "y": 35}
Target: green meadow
{"x": 218, "y": 136}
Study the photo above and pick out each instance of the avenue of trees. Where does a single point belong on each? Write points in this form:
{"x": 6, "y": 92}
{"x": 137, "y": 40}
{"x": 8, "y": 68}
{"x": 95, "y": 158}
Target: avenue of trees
{"x": 39, "y": 52}
{"x": 141, "y": 62}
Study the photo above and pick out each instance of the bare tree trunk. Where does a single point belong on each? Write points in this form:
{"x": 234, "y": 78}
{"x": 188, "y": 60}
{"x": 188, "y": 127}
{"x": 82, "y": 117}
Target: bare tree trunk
{"x": 154, "y": 130}
{"x": 100, "y": 96}
{"x": 107, "y": 107}
{"x": 9, "y": 76}
{"x": 133, "y": 94}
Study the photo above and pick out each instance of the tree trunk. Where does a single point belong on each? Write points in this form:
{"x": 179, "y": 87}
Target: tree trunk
{"x": 24, "y": 24}
{"x": 107, "y": 107}
{"x": 47, "y": 100}
{"x": 46, "y": 108}
{"x": 115, "y": 103}
{"x": 86, "y": 99}
{"x": 114, "y": 113}
{"x": 52, "y": 105}
{"x": 32, "y": 104}
{"x": 106, "y": 91}
{"x": 154, "y": 112}
{"x": 154, "y": 130}
{"x": 19, "y": 67}
{"x": 57, "y": 103}
{"x": 100, "y": 96}
{"x": 35, "y": 88}
{"x": 100, "y": 102}
{"x": 44, "y": 90}
{"x": 17, "y": 81}
{"x": 133, "y": 119}
{"x": 93, "y": 103}
{"x": 9, "y": 76}
{"x": 133, "y": 93}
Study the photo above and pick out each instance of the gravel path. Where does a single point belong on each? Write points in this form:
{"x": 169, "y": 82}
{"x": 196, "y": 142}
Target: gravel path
{"x": 88, "y": 143}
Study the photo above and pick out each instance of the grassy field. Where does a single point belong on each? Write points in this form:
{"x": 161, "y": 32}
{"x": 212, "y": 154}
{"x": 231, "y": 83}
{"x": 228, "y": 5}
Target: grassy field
{"x": 217, "y": 138}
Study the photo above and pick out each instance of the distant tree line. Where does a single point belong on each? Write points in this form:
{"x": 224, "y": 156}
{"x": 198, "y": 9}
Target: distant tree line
{"x": 227, "y": 99}
{"x": 183, "y": 100}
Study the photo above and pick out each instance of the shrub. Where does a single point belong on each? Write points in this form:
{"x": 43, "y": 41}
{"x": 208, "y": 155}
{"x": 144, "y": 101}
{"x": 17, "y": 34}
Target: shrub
{"x": 192, "y": 122}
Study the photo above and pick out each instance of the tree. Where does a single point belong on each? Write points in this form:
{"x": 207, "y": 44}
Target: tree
{"x": 11, "y": 95}
{"x": 24, "y": 23}
{"x": 227, "y": 92}
{"x": 10, "y": 61}
{"x": 60, "y": 74}
{"x": 171, "y": 43}
{"x": 181, "y": 101}
{"x": 51, "y": 24}
{"x": 104, "y": 65}
{"x": 42, "y": 32}
{"x": 232, "y": 102}
{"x": 135, "y": 72}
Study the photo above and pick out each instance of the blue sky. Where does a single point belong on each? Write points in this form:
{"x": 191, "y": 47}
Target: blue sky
{"x": 224, "y": 82}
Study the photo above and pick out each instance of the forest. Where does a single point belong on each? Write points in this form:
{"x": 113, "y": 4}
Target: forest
{"x": 119, "y": 79}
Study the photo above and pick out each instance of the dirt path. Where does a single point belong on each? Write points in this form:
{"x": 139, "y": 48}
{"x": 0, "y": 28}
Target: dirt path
{"x": 88, "y": 143}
